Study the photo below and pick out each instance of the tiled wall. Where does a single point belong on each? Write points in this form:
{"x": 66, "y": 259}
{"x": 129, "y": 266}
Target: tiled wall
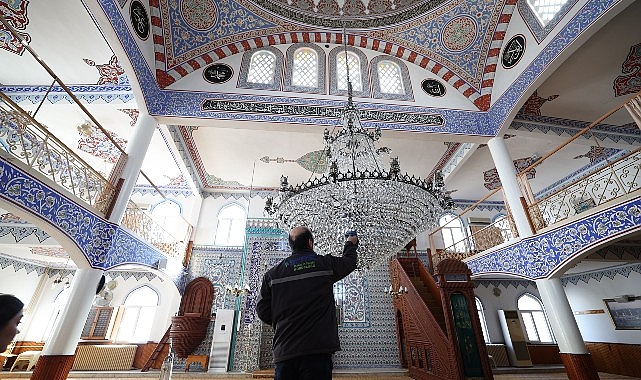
{"x": 368, "y": 332}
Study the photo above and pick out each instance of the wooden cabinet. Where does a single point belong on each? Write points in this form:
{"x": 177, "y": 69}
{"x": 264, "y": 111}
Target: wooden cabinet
{"x": 97, "y": 324}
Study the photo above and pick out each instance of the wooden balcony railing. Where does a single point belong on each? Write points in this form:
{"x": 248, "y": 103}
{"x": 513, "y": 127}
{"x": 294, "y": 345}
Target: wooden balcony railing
{"x": 25, "y": 139}
{"x": 615, "y": 177}
{"x": 143, "y": 225}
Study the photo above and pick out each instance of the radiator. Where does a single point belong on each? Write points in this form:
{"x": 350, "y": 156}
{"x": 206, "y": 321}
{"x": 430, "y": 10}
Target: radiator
{"x": 104, "y": 358}
{"x": 498, "y": 353}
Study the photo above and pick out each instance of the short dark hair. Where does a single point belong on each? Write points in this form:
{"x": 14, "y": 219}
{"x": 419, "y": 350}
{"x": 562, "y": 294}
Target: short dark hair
{"x": 301, "y": 240}
{"x": 10, "y": 306}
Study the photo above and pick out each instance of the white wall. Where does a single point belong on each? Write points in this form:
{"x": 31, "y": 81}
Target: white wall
{"x": 506, "y": 301}
{"x": 599, "y": 327}
{"x": 34, "y": 324}
{"x": 582, "y": 297}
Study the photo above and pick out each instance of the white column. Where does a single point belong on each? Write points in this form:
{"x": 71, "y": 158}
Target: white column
{"x": 136, "y": 151}
{"x": 507, "y": 174}
{"x": 566, "y": 331}
{"x": 69, "y": 327}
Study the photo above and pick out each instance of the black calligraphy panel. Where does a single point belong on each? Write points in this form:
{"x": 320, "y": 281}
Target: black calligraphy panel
{"x": 513, "y": 51}
{"x": 217, "y": 73}
{"x": 316, "y": 111}
{"x": 433, "y": 87}
{"x": 139, "y": 19}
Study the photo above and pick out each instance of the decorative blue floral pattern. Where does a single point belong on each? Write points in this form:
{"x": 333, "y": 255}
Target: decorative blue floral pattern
{"x": 610, "y": 273}
{"x": 470, "y": 60}
{"x": 103, "y": 244}
{"x": 232, "y": 18}
{"x": 539, "y": 256}
{"x": 87, "y": 93}
{"x": 187, "y": 104}
{"x": 21, "y": 232}
{"x": 6, "y": 262}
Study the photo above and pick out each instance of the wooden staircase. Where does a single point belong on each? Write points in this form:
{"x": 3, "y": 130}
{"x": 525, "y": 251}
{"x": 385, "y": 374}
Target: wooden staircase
{"x": 432, "y": 303}
{"x": 440, "y": 334}
{"x": 154, "y": 355}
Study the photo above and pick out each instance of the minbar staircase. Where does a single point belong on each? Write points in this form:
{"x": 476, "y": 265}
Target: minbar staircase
{"x": 432, "y": 301}
{"x": 428, "y": 329}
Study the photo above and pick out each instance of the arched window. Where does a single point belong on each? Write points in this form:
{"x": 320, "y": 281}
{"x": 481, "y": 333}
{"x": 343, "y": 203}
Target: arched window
{"x": 339, "y": 62}
{"x": 353, "y": 65}
{"x": 481, "y": 311}
{"x": 453, "y": 233}
{"x": 169, "y": 215}
{"x": 545, "y": 10}
{"x": 534, "y": 319}
{"x": 231, "y": 226}
{"x": 305, "y": 69}
{"x": 261, "y": 69}
{"x": 59, "y": 304}
{"x": 389, "y": 77}
{"x": 137, "y": 315}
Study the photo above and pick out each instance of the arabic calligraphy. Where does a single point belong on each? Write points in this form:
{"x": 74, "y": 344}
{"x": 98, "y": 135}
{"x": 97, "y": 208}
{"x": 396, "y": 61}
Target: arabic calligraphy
{"x": 513, "y": 51}
{"x": 433, "y": 87}
{"x": 139, "y": 19}
{"x": 318, "y": 111}
{"x": 217, "y": 73}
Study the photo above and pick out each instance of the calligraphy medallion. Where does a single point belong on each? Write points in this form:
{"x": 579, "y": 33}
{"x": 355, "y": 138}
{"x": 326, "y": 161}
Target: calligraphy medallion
{"x": 139, "y": 19}
{"x": 217, "y": 73}
{"x": 513, "y": 51}
{"x": 433, "y": 87}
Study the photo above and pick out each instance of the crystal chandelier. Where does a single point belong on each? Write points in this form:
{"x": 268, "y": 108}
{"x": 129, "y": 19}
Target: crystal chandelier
{"x": 359, "y": 192}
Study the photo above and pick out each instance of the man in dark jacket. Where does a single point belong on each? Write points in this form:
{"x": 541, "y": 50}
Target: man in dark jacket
{"x": 297, "y": 300}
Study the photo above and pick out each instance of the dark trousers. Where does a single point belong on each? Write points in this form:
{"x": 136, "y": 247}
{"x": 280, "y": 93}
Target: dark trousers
{"x": 311, "y": 367}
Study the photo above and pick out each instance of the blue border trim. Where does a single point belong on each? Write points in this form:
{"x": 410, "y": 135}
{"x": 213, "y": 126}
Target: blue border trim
{"x": 103, "y": 244}
{"x": 539, "y": 256}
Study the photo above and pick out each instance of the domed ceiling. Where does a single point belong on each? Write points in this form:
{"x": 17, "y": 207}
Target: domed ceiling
{"x": 352, "y": 13}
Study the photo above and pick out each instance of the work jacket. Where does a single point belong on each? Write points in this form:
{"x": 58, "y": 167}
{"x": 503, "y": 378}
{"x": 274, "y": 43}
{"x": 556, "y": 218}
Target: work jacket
{"x": 297, "y": 300}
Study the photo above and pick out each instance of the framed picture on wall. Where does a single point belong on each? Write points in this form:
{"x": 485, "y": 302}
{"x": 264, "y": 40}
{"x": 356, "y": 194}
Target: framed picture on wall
{"x": 625, "y": 312}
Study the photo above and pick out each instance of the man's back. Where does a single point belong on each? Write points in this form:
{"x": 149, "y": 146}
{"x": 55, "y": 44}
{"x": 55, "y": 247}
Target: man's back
{"x": 303, "y": 311}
